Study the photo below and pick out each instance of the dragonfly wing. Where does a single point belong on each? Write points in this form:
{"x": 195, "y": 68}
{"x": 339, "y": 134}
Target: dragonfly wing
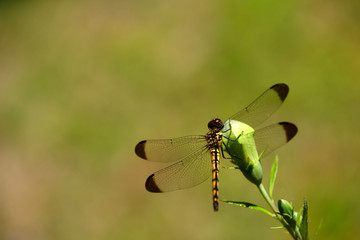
{"x": 169, "y": 150}
{"x": 274, "y": 136}
{"x": 190, "y": 171}
{"x": 265, "y": 105}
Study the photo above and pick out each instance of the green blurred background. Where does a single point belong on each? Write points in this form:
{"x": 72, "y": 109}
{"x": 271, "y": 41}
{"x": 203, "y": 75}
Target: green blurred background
{"x": 81, "y": 82}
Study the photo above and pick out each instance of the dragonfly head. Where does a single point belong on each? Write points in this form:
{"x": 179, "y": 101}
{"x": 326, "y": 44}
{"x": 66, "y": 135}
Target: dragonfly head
{"x": 216, "y": 123}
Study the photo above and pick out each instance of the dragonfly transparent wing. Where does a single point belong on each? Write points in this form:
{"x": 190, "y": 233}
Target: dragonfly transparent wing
{"x": 265, "y": 105}
{"x": 169, "y": 150}
{"x": 190, "y": 171}
{"x": 274, "y": 136}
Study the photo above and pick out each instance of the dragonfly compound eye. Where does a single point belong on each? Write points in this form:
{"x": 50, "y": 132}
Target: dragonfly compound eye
{"x": 215, "y": 124}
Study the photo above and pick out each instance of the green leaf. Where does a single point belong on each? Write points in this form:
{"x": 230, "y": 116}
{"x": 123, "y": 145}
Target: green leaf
{"x": 299, "y": 217}
{"x": 249, "y": 205}
{"x": 231, "y": 168}
{"x": 318, "y": 229}
{"x": 304, "y": 222}
{"x": 262, "y": 153}
{"x": 279, "y": 227}
{"x": 273, "y": 173}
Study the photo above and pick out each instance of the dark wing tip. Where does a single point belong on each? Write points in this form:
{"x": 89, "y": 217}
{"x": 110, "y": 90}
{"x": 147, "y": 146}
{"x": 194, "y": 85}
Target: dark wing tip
{"x": 281, "y": 89}
{"x": 290, "y": 130}
{"x": 150, "y": 184}
{"x": 140, "y": 149}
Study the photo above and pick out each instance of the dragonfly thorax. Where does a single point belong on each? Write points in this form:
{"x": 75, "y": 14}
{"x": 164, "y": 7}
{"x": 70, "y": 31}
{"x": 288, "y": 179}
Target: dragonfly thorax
{"x": 214, "y": 136}
{"x": 215, "y": 124}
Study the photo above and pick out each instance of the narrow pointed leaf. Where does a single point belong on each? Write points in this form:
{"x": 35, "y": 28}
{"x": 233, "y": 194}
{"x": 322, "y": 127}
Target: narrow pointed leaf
{"x": 299, "y": 217}
{"x": 249, "y": 205}
{"x": 273, "y": 173}
{"x": 318, "y": 229}
{"x": 262, "y": 153}
{"x": 278, "y": 227}
{"x": 304, "y": 222}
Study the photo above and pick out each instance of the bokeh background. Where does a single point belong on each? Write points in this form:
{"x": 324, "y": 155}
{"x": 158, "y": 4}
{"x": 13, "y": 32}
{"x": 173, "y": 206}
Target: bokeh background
{"x": 81, "y": 82}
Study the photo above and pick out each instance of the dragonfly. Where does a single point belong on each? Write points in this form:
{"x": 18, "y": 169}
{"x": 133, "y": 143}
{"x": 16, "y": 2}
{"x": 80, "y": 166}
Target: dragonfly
{"x": 197, "y": 157}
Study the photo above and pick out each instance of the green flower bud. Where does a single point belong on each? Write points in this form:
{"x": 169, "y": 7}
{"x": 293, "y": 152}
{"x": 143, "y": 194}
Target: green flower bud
{"x": 285, "y": 207}
{"x": 239, "y": 143}
{"x": 287, "y": 211}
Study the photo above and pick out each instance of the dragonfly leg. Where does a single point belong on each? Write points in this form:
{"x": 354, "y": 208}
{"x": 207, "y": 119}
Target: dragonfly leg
{"x": 227, "y": 129}
{"x": 237, "y": 138}
{"x": 227, "y": 150}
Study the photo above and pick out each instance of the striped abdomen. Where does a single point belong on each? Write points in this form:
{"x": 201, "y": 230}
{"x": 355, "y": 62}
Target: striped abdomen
{"x": 215, "y": 156}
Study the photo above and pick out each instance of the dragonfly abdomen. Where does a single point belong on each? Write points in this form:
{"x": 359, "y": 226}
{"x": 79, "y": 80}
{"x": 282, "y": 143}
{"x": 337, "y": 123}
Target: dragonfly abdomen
{"x": 215, "y": 156}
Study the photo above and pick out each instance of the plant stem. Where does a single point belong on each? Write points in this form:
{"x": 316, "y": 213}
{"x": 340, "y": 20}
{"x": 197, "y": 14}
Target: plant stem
{"x": 294, "y": 233}
{"x": 267, "y": 198}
